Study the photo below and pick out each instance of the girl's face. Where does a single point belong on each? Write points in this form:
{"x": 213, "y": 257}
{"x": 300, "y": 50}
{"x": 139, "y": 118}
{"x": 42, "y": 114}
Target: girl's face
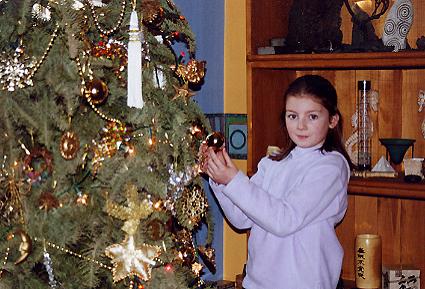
{"x": 307, "y": 120}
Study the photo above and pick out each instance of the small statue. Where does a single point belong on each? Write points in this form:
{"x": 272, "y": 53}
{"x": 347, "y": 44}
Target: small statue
{"x": 363, "y": 36}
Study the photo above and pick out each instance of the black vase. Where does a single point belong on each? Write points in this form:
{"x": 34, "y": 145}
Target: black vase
{"x": 397, "y": 148}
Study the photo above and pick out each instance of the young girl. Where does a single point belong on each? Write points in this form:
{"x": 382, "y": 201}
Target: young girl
{"x": 295, "y": 199}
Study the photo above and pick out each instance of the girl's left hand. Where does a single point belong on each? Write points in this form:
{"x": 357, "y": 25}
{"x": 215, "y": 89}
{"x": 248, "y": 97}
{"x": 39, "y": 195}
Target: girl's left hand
{"x": 220, "y": 167}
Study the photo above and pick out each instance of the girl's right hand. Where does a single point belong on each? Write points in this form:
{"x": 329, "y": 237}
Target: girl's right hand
{"x": 220, "y": 167}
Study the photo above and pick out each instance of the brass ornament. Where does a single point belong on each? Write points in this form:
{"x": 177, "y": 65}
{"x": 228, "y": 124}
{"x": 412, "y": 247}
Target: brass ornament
{"x": 25, "y": 247}
{"x": 97, "y": 91}
{"x": 129, "y": 260}
{"x": 69, "y": 145}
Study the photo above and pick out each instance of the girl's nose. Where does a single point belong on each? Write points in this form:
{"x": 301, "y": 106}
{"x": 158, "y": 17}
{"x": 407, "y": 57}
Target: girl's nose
{"x": 301, "y": 124}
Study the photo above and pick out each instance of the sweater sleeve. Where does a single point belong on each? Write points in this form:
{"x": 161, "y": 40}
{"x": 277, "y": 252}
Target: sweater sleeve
{"x": 232, "y": 212}
{"x": 320, "y": 195}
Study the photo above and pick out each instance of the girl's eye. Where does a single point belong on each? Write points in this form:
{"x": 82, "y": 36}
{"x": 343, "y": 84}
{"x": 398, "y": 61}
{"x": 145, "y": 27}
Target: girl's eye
{"x": 313, "y": 116}
{"x": 291, "y": 116}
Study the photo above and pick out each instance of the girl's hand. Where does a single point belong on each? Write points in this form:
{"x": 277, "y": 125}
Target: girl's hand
{"x": 220, "y": 167}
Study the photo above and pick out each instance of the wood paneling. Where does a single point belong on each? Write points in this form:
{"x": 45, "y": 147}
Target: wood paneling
{"x": 399, "y": 222}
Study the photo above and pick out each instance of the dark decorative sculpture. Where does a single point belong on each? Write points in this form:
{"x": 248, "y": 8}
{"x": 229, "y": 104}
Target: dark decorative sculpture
{"x": 363, "y": 35}
{"x": 314, "y": 25}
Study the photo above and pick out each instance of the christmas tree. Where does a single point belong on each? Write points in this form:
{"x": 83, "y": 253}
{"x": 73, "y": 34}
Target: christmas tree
{"x": 99, "y": 181}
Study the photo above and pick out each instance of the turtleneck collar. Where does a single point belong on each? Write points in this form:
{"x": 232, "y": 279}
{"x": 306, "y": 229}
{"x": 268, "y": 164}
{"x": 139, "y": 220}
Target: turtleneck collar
{"x": 299, "y": 151}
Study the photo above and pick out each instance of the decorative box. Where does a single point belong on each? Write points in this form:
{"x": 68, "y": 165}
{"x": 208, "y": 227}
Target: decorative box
{"x": 400, "y": 277}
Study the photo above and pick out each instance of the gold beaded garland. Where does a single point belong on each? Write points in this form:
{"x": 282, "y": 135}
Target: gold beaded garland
{"x": 92, "y": 105}
{"x": 65, "y": 250}
{"x": 113, "y": 29}
{"x": 4, "y": 262}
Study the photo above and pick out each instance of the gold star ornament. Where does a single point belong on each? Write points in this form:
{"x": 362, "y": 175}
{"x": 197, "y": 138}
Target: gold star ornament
{"x": 183, "y": 92}
{"x": 129, "y": 260}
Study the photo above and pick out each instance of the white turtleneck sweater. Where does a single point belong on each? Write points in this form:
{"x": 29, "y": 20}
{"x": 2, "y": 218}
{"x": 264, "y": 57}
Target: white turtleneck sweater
{"x": 291, "y": 207}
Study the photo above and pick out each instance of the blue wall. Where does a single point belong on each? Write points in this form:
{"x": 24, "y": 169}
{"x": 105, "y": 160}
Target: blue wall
{"x": 206, "y": 18}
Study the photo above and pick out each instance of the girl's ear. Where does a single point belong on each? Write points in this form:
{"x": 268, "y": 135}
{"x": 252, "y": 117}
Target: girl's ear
{"x": 333, "y": 121}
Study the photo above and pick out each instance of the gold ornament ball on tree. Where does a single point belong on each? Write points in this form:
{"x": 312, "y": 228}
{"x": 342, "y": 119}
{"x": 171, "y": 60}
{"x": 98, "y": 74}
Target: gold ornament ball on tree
{"x": 69, "y": 145}
{"x": 215, "y": 140}
{"x": 97, "y": 91}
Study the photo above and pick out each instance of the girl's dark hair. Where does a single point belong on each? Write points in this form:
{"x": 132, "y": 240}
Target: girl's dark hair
{"x": 324, "y": 92}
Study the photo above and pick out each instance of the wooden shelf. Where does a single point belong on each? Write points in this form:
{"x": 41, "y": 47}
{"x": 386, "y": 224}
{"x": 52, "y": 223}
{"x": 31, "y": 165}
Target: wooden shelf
{"x": 405, "y": 59}
{"x": 386, "y": 187}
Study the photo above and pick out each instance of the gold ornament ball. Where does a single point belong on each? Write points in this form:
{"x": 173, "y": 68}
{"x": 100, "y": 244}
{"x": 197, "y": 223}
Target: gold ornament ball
{"x": 69, "y": 145}
{"x": 215, "y": 140}
{"x": 97, "y": 91}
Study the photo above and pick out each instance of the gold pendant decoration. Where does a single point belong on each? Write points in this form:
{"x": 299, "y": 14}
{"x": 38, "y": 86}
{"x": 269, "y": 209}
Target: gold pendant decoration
{"x": 69, "y": 145}
{"x": 129, "y": 260}
{"x": 25, "y": 247}
{"x": 191, "y": 206}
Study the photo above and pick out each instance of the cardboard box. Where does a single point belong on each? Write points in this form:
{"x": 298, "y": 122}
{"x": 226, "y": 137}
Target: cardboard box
{"x": 401, "y": 277}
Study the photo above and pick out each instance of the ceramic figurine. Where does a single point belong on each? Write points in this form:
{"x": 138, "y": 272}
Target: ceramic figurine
{"x": 397, "y": 24}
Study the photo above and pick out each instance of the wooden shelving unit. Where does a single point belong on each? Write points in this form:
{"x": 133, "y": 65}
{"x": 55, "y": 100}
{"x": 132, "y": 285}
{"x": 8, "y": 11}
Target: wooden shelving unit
{"x": 388, "y": 207}
{"x": 386, "y": 187}
{"x": 381, "y": 60}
